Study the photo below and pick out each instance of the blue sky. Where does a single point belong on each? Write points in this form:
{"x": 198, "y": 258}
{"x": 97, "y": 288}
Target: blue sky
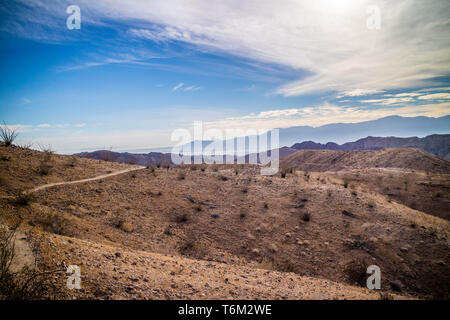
{"x": 134, "y": 72}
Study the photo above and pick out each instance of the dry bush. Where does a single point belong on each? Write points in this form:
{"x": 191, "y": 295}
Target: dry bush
{"x": 44, "y": 168}
{"x": 54, "y": 223}
{"x": 7, "y": 134}
{"x": 72, "y": 162}
{"x": 223, "y": 178}
{"x": 306, "y": 216}
{"x": 47, "y": 148}
{"x": 214, "y": 167}
{"x": 23, "y": 198}
{"x": 26, "y": 145}
{"x": 125, "y": 226}
{"x": 25, "y": 284}
{"x": 192, "y": 247}
{"x": 356, "y": 271}
{"x": 181, "y": 218}
{"x": 283, "y": 174}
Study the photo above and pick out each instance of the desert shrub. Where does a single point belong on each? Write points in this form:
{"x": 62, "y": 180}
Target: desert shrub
{"x": 266, "y": 206}
{"x": 72, "y": 162}
{"x": 44, "y": 168}
{"x": 214, "y": 215}
{"x": 192, "y": 247}
{"x": 265, "y": 264}
{"x": 306, "y": 216}
{"x": 285, "y": 266}
{"x": 236, "y": 171}
{"x": 356, "y": 271}
{"x": 181, "y": 218}
{"x": 47, "y": 148}
{"x": 386, "y": 296}
{"x": 283, "y": 174}
{"x": 223, "y": 178}
{"x": 25, "y": 284}
{"x": 7, "y": 134}
{"x": 371, "y": 204}
{"x": 53, "y": 223}
{"x": 244, "y": 190}
{"x": 125, "y": 226}
{"x": 23, "y": 198}
{"x": 242, "y": 214}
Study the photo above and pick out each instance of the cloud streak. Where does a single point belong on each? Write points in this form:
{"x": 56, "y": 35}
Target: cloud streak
{"x": 327, "y": 39}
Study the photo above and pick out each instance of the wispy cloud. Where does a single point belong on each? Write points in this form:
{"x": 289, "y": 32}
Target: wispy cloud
{"x": 325, "y": 114}
{"x": 435, "y": 96}
{"x": 329, "y": 42}
{"x": 388, "y": 101}
{"x": 178, "y": 86}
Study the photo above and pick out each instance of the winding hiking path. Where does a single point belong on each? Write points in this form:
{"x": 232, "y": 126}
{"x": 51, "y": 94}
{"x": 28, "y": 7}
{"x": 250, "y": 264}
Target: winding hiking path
{"x": 46, "y": 186}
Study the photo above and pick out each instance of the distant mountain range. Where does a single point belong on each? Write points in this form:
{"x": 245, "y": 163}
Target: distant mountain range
{"x": 392, "y": 126}
{"x": 438, "y": 145}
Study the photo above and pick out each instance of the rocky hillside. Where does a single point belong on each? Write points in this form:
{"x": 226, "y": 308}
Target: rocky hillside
{"x": 152, "y": 158}
{"x": 329, "y": 160}
{"x": 436, "y": 144}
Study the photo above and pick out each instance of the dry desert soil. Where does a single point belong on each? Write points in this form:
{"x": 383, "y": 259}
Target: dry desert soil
{"x": 227, "y": 232}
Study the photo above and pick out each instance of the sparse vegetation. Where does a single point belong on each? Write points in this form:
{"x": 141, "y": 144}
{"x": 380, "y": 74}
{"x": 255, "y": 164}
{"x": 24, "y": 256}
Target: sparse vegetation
{"x": 125, "y": 226}
{"x": 24, "y": 284}
{"x": 7, "y": 134}
{"x": 23, "y": 198}
{"x": 356, "y": 271}
{"x": 182, "y": 218}
{"x": 306, "y": 216}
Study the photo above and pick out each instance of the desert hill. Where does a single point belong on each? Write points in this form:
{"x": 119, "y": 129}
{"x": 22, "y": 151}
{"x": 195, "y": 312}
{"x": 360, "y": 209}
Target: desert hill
{"x": 152, "y": 158}
{"x": 438, "y": 145}
{"x": 251, "y": 236}
{"x": 328, "y": 160}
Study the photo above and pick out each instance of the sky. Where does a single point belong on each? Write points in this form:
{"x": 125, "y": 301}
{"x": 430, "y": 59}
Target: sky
{"x": 137, "y": 70}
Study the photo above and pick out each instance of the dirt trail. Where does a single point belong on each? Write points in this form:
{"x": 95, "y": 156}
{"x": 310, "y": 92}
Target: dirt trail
{"x": 45, "y": 186}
